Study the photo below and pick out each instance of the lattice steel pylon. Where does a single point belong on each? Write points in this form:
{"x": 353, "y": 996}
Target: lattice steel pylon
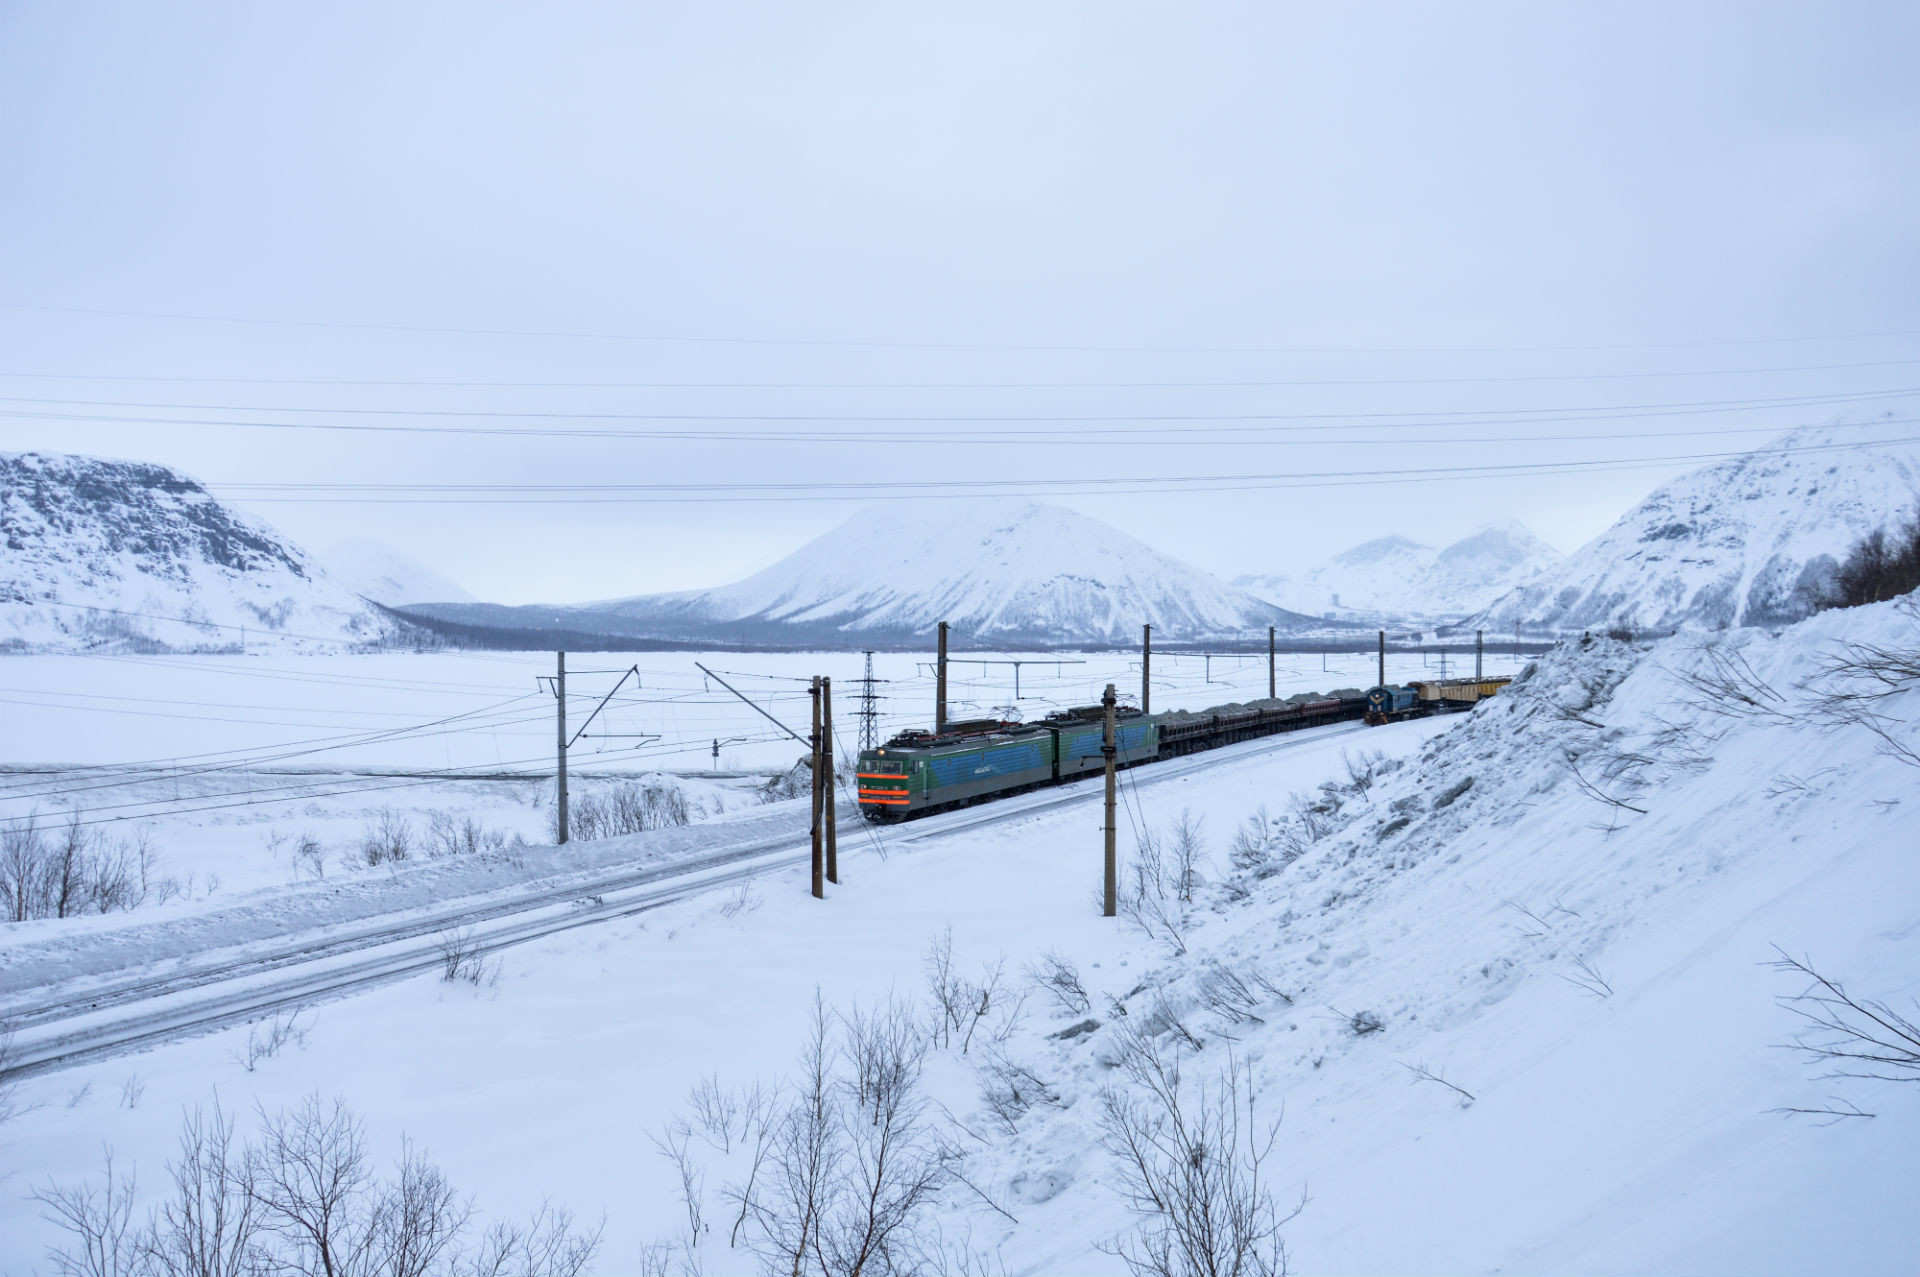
{"x": 869, "y": 710}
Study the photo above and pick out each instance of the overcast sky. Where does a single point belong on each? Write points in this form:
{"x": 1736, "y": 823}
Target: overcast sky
{"x": 1135, "y": 245}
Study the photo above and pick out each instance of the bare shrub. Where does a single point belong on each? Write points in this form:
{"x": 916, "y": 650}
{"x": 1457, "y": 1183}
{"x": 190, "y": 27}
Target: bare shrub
{"x": 946, "y": 988}
{"x": 627, "y": 808}
{"x": 308, "y": 856}
{"x": 842, "y": 1183}
{"x": 546, "y": 1245}
{"x": 1362, "y": 770}
{"x": 132, "y": 1091}
{"x": 388, "y": 839}
{"x": 1150, "y": 898}
{"x": 1248, "y": 851}
{"x": 1587, "y": 978}
{"x": 265, "y": 1042}
{"x": 716, "y": 1109}
{"x": 1724, "y": 684}
{"x": 673, "y": 1144}
{"x": 1059, "y": 979}
{"x": 451, "y": 835}
{"x": 1009, "y": 1089}
{"x": 1421, "y": 1073}
{"x": 741, "y": 899}
{"x": 77, "y": 870}
{"x": 211, "y": 1223}
{"x": 463, "y": 958}
{"x": 1848, "y": 1036}
{"x": 98, "y": 1222}
{"x": 1193, "y": 1167}
{"x": 1186, "y": 852}
{"x": 1852, "y": 685}
{"x": 1227, "y": 994}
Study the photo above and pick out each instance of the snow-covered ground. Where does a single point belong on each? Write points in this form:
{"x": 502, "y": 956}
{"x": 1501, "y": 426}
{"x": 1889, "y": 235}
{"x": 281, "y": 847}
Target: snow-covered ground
{"x": 228, "y": 761}
{"x": 1565, "y": 903}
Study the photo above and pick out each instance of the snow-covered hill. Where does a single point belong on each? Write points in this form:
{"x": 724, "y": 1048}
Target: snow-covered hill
{"x": 377, "y": 571}
{"x": 1507, "y": 981}
{"x": 1395, "y": 577}
{"x": 1745, "y": 541}
{"x": 127, "y": 554}
{"x": 1003, "y": 571}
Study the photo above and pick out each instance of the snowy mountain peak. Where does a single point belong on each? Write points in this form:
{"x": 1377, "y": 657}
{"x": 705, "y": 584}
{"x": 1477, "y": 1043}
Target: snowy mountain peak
{"x": 1002, "y": 571}
{"x": 1746, "y": 541}
{"x": 1396, "y": 576}
{"x": 1010, "y": 570}
{"x": 1368, "y": 553}
{"x": 103, "y": 553}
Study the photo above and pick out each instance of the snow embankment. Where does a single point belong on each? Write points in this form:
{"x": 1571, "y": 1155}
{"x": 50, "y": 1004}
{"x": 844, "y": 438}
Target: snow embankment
{"x": 1565, "y": 905}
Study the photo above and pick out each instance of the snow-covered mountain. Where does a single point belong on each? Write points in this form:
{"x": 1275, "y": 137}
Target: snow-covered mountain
{"x": 1746, "y": 541}
{"x": 377, "y": 571}
{"x": 1001, "y": 571}
{"x": 126, "y": 554}
{"x": 1393, "y": 576}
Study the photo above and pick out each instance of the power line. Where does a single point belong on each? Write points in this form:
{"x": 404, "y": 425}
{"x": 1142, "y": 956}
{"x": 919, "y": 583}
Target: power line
{"x": 871, "y": 344}
{"x": 1640, "y": 374}
{"x": 839, "y": 418}
{"x": 622, "y": 493}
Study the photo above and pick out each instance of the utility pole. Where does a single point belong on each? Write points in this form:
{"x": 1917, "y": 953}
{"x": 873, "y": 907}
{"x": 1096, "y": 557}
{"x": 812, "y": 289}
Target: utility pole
{"x": 869, "y": 711}
{"x": 1146, "y": 669}
{"x": 560, "y": 736}
{"x": 1383, "y": 658}
{"x": 1479, "y": 653}
{"x": 940, "y": 684}
{"x": 819, "y": 865}
{"x": 1271, "y": 685}
{"x": 1110, "y": 899}
{"x": 829, "y": 765}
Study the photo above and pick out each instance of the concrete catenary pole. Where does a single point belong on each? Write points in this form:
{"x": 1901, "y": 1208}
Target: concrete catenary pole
{"x": 1479, "y": 653}
{"x": 1271, "y": 685}
{"x": 1110, "y": 887}
{"x": 1146, "y": 669}
{"x": 1383, "y": 658}
{"x": 828, "y": 766}
{"x": 560, "y": 739}
{"x": 819, "y": 847}
{"x": 940, "y": 683}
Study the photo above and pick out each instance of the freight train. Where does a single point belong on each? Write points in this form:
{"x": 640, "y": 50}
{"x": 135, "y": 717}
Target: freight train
{"x": 968, "y": 762}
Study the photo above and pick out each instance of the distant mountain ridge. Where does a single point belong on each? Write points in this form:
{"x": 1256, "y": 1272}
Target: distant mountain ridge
{"x": 377, "y": 571}
{"x": 1746, "y": 541}
{"x": 1004, "y": 572}
{"x": 127, "y": 554}
{"x": 1399, "y": 578}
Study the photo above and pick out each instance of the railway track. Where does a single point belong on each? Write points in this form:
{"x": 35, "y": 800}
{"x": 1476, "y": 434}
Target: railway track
{"x": 143, "y": 1010}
